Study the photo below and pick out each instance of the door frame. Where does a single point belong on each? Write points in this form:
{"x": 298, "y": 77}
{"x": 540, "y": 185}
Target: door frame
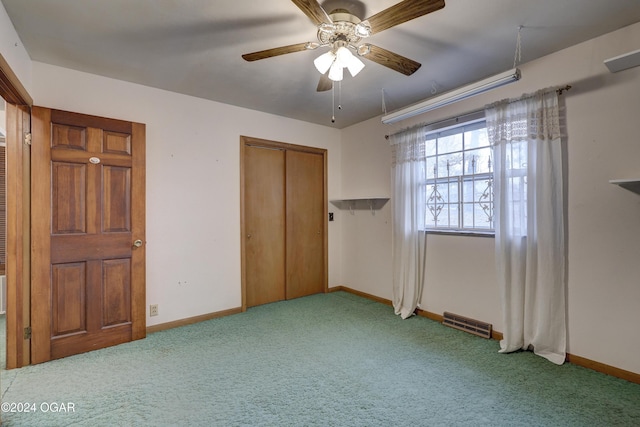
{"x": 257, "y": 142}
{"x": 18, "y": 273}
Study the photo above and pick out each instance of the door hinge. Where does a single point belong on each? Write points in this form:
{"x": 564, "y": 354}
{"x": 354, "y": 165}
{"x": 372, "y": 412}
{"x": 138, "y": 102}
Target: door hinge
{"x": 27, "y": 138}
{"x": 27, "y": 333}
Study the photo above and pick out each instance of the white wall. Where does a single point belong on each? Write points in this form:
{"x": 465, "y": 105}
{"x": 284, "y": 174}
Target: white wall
{"x": 366, "y": 238}
{"x": 193, "y": 182}
{"x": 13, "y": 51}
{"x": 603, "y": 143}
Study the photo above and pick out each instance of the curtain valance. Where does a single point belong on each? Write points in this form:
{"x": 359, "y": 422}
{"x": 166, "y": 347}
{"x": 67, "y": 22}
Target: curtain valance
{"x": 530, "y": 117}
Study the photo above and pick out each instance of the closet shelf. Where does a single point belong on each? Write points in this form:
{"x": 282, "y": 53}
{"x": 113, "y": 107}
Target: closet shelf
{"x": 364, "y": 203}
{"x": 628, "y": 184}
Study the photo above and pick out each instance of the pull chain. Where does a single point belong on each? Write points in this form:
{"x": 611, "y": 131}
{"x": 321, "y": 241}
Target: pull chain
{"x": 333, "y": 103}
{"x": 518, "y": 55}
{"x": 340, "y": 95}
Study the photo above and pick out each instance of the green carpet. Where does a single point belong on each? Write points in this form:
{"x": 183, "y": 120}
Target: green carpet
{"x": 324, "y": 360}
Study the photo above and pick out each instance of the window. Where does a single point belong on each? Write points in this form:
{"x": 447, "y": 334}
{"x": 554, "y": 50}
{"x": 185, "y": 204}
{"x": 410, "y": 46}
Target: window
{"x": 459, "y": 192}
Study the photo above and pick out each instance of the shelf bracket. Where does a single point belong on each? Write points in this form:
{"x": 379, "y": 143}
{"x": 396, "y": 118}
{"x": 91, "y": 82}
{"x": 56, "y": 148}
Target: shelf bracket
{"x": 628, "y": 184}
{"x": 372, "y": 203}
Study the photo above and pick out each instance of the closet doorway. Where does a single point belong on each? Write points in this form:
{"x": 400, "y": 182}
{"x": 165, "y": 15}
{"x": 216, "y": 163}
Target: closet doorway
{"x": 283, "y": 221}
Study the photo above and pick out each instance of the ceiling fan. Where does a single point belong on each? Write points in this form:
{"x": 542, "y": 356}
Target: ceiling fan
{"x": 343, "y": 32}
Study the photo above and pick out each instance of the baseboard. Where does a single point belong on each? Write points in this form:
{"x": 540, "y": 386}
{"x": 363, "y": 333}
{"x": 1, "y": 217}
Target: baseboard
{"x": 571, "y": 358}
{"x": 192, "y": 320}
{"x": 605, "y": 369}
{"x": 429, "y": 315}
{"x": 361, "y": 294}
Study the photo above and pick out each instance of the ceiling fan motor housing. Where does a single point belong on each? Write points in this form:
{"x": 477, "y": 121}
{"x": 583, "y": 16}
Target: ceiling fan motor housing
{"x": 343, "y": 32}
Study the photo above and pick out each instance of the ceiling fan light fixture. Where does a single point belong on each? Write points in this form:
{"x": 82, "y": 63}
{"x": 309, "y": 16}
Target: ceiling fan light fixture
{"x": 343, "y": 56}
{"x": 336, "y": 72}
{"x": 346, "y": 59}
{"x": 364, "y": 49}
{"x": 354, "y": 65}
{"x": 363, "y": 29}
{"x": 324, "y": 62}
{"x": 326, "y": 28}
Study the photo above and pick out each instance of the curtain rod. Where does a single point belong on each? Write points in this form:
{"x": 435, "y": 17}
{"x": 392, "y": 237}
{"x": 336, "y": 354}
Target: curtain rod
{"x": 471, "y": 116}
{"x": 559, "y": 91}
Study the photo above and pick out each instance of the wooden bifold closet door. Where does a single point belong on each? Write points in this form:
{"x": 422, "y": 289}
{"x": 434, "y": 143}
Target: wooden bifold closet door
{"x": 283, "y": 221}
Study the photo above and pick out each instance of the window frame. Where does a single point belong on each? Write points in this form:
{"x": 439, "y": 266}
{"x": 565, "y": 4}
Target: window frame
{"x": 453, "y": 127}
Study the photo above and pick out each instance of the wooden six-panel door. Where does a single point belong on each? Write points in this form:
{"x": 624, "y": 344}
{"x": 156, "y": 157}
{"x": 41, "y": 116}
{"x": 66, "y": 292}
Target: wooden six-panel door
{"x": 284, "y": 211}
{"x": 88, "y": 256}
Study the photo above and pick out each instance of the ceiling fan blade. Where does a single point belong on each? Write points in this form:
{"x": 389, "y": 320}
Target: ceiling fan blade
{"x": 402, "y": 12}
{"x": 325, "y": 83}
{"x": 391, "y": 60}
{"x": 314, "y": 11}
{"x": 275, "y": 52}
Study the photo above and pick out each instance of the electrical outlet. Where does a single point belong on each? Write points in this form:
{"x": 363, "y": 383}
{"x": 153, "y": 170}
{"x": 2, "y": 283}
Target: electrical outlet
{"x": 153, "y": 310}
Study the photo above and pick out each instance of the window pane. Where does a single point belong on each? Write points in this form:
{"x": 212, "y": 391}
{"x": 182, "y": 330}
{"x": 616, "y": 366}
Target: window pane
{"x": 476, "y": 216}
{"x": 443, "y": 218}
{"x": 483, "y": 190}
{"x": 435, "y": 203}
{"x": 451, "y": 192}
{"x": 482, "y": 217}
{"x": 467, "y": 191}
{"x": 429, "y": 220}
{"x": 478, "y": 189}
{"x": 432, "y": 195}
{"x": 450, "y": 165}
{"x": 476, "y": 138}
{"x": 431, "y": 167}
{"x": 453, "y": 216}
{"x": 430, "y": 147}
{"x": 467, "y": 215}
{"x": 477, "y": 161}
{"x": 449, "y": 144}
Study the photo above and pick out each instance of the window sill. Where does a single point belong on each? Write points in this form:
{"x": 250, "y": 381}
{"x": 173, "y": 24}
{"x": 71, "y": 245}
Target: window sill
{"x": 489, "y": 234}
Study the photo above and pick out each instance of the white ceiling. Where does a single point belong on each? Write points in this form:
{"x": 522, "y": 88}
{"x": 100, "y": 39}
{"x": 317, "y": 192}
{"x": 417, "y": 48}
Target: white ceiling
{"x": 194, "y": 47}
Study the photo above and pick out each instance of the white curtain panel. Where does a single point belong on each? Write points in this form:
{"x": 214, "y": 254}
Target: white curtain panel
{"x": 529, "y": 223}
{"x": 408, "y": 175}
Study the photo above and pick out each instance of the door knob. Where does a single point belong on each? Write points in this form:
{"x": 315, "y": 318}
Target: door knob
{"x": 137, "y": 243}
